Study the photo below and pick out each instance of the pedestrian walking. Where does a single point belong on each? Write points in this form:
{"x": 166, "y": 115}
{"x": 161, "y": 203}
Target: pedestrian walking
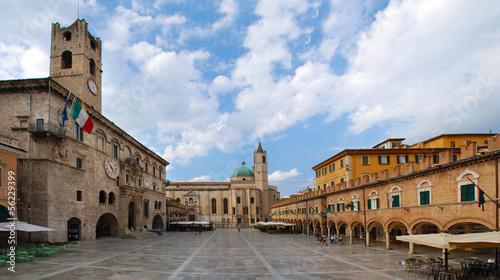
{"x": 331, "y": 239}
{"x": 238, "y": 228}
{"x": 199, "y": 230}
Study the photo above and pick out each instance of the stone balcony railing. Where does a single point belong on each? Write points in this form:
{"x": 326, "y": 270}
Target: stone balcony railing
{"x": 47, "y": 128}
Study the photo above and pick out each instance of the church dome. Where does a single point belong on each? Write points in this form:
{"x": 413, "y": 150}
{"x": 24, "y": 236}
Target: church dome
{"x": 243, "y": 171}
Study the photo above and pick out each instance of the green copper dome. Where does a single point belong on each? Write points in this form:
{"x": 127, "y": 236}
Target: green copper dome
{"x": 243, "y": 171}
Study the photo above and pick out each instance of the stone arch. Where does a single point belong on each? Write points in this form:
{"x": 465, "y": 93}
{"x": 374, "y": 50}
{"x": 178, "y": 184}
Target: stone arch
{"x": 107, "y": 225}
{"x": 111, "y": 198}
{"x": 413, "y": 226}
{"x": 67, "y": 36}
{"x": 126, "y": 151}
{"x": 387, "y": 225}
{"x": 92, "y": 67}
{"x": 66, "y": 60}
{"x": 158, "y": 222}
{"x": 394, "y": 189}
{"x": 133, "y": 213}
{"x": 371, "y": 222}
{"x": 373, "y": 193}
{"x": 466, "y": 172}
{"x": 102, "y": 196}
{"x": 74, "y": 229}
{"x": 478, "y": 221}
{"x": 424, "y": 183}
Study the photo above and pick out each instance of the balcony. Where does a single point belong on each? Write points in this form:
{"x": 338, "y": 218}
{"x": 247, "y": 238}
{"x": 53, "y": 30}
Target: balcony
{"x": 49, "y": 129}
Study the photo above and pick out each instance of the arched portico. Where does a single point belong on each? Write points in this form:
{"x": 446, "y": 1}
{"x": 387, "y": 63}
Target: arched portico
{"x": 158, "y": 222}
{"x": 107, "y": 225}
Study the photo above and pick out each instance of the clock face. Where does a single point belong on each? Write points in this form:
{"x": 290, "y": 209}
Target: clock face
{"x": 112, "y": 168}
{"x": 92, "y": 86}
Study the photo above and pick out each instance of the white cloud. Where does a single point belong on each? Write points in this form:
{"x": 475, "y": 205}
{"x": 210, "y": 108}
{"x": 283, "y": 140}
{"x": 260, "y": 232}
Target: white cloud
{"x": 419, "y": 60}
{"x": 203, "y": 178}
{"x": 279, "y": 175}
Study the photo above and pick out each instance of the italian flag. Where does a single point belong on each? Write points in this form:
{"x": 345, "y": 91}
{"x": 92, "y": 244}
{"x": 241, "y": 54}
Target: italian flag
{"x": 81, "y": 117}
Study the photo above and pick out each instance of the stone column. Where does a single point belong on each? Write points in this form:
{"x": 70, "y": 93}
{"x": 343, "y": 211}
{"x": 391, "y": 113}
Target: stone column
{"x": 351, "y": 236}
{"x": 387, "y": 240}
{"x": 411, "y": 245}
{"x": 367, "y": 237}
{"x": 328, "y": 232}
{"x": 314, "y": 231}
{"x": 337, "y": 230}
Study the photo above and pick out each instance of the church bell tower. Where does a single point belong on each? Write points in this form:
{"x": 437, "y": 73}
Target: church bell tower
{"x": 75, "y": 62}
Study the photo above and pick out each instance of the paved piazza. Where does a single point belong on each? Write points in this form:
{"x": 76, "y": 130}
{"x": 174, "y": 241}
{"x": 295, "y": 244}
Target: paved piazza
{"x": 222, "y": 254}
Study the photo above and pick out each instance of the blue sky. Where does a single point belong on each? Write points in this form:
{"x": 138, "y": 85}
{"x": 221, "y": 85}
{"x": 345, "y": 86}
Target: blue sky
{"x": 202, "y": 82}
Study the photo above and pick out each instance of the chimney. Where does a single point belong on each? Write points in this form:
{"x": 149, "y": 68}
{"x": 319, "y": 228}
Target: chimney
{"x": 468, "y": 150}
{"x": 426, "y": 162}
{"x": 446, "y": 156}
{"x": 494, "y": 143}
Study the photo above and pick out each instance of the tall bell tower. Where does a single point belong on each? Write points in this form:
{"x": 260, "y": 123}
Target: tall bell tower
{"x": 261, "y": 180}
{"x": 75, "y": 62}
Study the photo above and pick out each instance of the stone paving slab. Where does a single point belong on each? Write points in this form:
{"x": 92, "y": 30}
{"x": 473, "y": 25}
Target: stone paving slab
{"x": 223, "y": 254}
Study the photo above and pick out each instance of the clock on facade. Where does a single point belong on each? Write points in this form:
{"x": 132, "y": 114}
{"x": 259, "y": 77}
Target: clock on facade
{"x": 112, "y": 168}
{"x": 92, "y": 86}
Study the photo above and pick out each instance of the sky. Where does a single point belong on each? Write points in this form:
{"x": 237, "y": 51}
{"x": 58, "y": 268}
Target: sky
{"x": 202, "y": 82}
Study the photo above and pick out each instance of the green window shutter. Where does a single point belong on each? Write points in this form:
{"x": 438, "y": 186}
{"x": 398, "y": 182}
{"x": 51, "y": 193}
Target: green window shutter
{"x": 425, "y": 198}
{"x": 467, "y": 192}
{"x": 342, "y": 180}
{"x": 388, "y": 159}
{"x": 331, "y": 183}
{"x": 455, "y": 157}
{"x": 342, "y": 207}
{"x": 316, "y": 210}
{"x": 318, "y": 187}
{"x": 395, "y": 202}
{"x": 338, "y": 207}
{"x": 379, "y": 159}
{"x": 324, "y": 186}
{"x": 369, "y": 204}
{"x": 378, "y": 204}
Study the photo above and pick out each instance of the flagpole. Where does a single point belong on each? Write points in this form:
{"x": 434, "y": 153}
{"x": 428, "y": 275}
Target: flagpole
{"x": 483, "y": 192}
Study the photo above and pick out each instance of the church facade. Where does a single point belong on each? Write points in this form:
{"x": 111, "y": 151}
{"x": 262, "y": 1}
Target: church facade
{"x": 245, "y": 200}
{"x": 105, "y": 183}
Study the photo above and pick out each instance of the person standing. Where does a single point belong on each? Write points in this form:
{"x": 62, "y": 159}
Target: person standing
{"x": 238, "y": 228}
{"x": 331, "y": 239}
{"x": 199, "y": 230}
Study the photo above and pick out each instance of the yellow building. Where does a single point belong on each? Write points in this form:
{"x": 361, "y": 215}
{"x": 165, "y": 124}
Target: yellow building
{"x": 391, "y": 153}
{"x": 453, "y": 140}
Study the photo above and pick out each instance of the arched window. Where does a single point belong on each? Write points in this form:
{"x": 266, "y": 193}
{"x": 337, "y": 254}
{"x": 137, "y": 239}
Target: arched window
{"x": 156, "y": 204}
{"x": 226, "y": 206}
{"x": 67, "y": 36}
{"x": 102, "y": 197}
{"x": 238, "y": 200}
{"x": 92, "y": 67}
{"x": 190, "y": 200}
{"x": 264, "y": 159}
{"x": 111, "y": 198}
{"x": 66, "y": 60}
{"x": 214, "y": 206}
{"x": 178, "y": 200}
{"x": 159, "y": 205}
{"x": 252, "y": 200}
{"x": 92, "y": 44}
